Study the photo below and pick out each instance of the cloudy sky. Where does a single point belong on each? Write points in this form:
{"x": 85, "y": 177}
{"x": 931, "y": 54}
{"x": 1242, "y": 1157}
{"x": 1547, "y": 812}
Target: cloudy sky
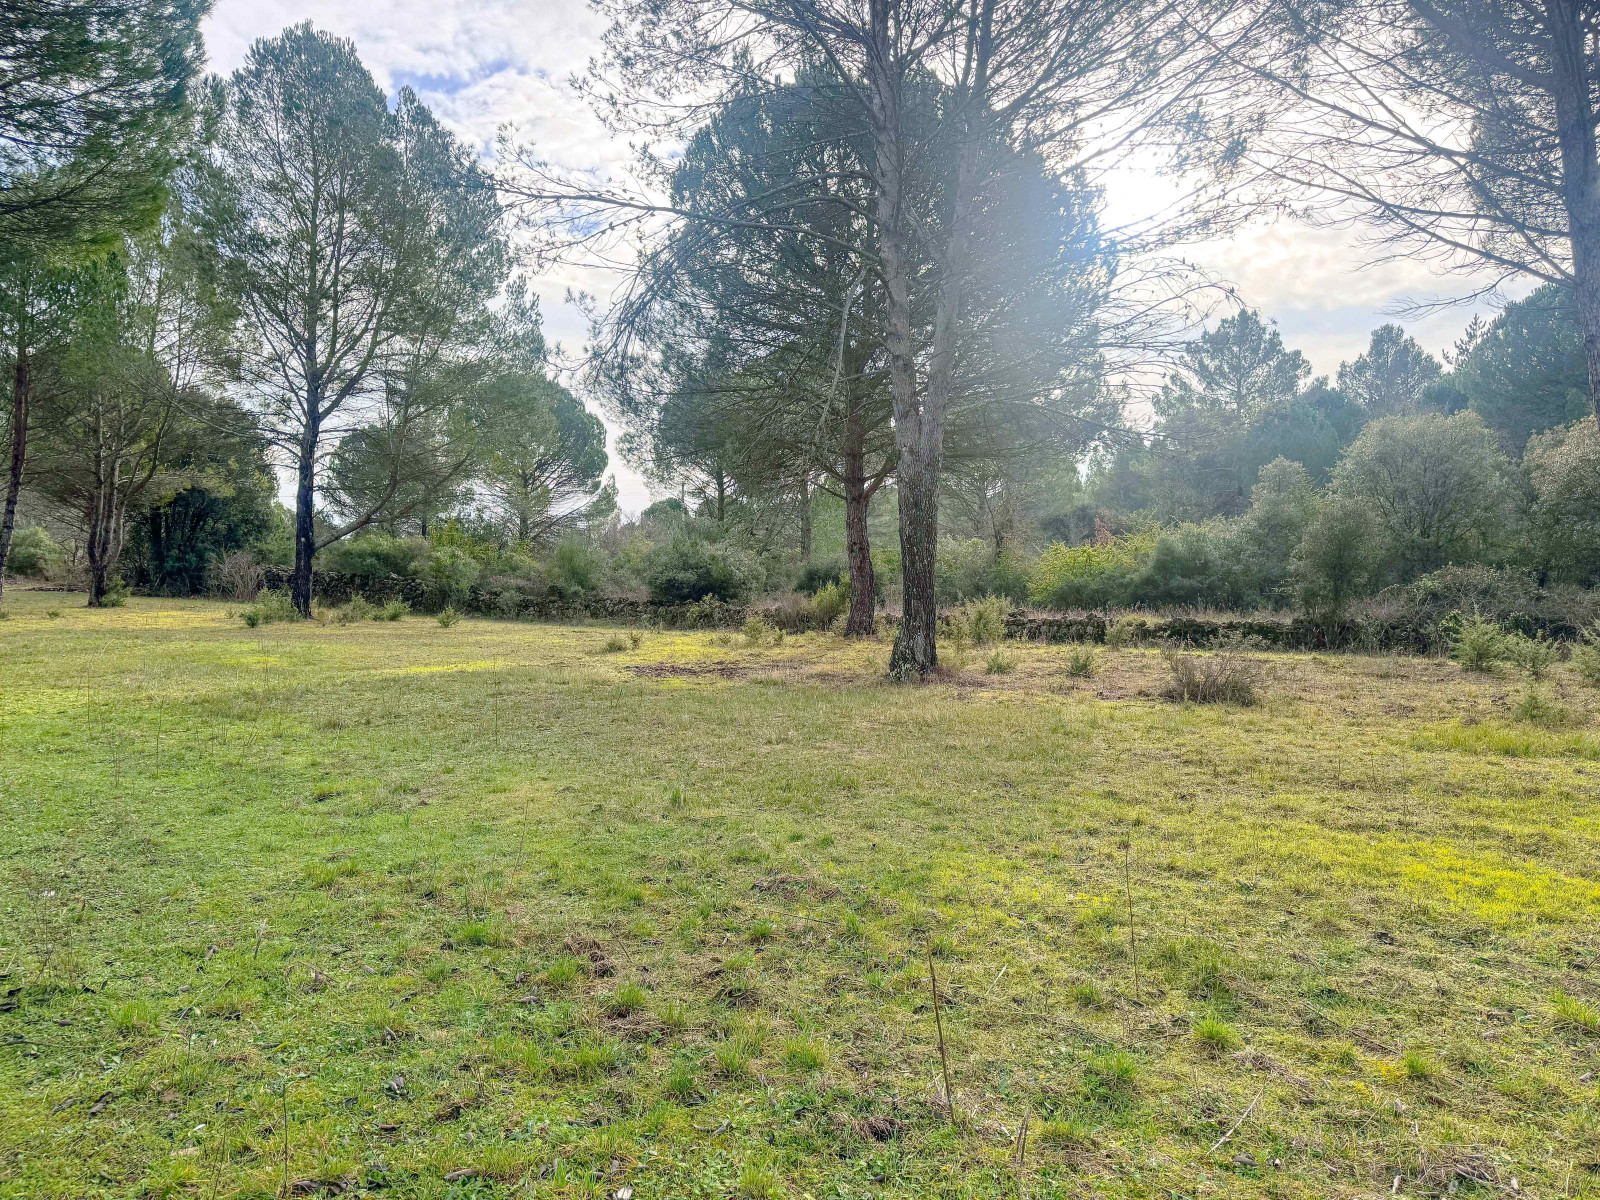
{"x": 482, "y": 63}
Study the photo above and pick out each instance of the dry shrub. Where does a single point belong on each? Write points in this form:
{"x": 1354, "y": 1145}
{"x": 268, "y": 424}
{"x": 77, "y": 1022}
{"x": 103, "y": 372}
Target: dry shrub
{"x": 238, "y": 576}
{"x": 1227, "y": 676}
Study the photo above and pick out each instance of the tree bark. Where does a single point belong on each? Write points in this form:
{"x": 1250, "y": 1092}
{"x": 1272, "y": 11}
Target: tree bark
{"x": 305, "y": 533}
{"x": 19, "y": 451}
{"x": 1580, "y": 174}
{"x": 915, "y": 651}
{"x": 863, "y": 582}
{"x": 97, "y": 550}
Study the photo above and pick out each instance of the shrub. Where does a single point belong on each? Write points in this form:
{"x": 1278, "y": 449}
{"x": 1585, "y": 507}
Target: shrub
{"x": 270, "y": 607}
{"x": 616, "y": 644}
{"x": 116, "y": 593}
{"x": 983, "y": 621}
{"x": 448, "y": 572}
{"x": 448, "y": 617}
{"x": 1512, "y": 599}
{"x": 1083, "y": 664}
{"x": 1226, "y": 676}
{"x": 1195, "y": 565}
{"x": 238, "y": 576}
{"x": 1535, "y": 655}
{"x": 999, "y": 664}
{"x": 830, "y": 602}
{"x": 1586, "y": 656}
{"x": 394, "y": 610}
{"x": 1097, "y": 576}
{"x": 757, "y": 631}
{"x": 972, "y": 568}
{"x": 357, "y": 610}
{"x": 576, "y": 567}
{"x": 1535, "y": 709}
{"x": 815, "y": 576}
{"x": 33, "y": 551}
{"x": 687, "y": 569}
{"x": 1335, "y": 561}
{"x": 1125, "y": 631}
{"x": 1478, "y": 644}
{"x": 372, "y": 556}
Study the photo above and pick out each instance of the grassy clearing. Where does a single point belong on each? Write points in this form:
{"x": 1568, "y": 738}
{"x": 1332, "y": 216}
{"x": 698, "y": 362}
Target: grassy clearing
{"x": 496, "y": 909}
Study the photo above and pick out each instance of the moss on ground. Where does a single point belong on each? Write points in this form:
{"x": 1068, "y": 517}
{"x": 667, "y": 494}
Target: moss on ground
{"x": 492, "y": 910}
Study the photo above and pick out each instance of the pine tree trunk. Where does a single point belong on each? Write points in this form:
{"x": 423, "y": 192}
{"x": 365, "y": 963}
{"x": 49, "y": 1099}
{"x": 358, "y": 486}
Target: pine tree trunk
{"x": 19, "y": 452}
{"x": 1580, "y": 175}
{"x": 863, "y": 583}
{"x": 95, "y": 549}
{"x": 915, "y": 652}
{"x": 915, "y": 645}
{"x": 305, "y": 540}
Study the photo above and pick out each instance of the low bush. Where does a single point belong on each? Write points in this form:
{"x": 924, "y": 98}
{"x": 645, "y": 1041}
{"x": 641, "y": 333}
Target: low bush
{"x": 830, "y": 602}
{"x": 1537, "y": 709}
{"x": 448, "y": 617}
{"x": 687, "y": 569}
{"x": 1226, "y": 676}
{"x": 815, "y": 576}
{"x": 1511, "y": 599}
{"x": 999, "y": 664}
{"x": 1535, "y": 655}
{"x": 33, "y": 552}
{"x": 270, "y": 607}
{"x": 1125, "y": 631}
{"x": 970, "y": 569}
{"x": 1477, "y": 644}
{"x": 1083, "y": 664}
{"x": 983, "y": 621}
{"x": 1097, "y": 576}
{"x": 447, "y": 573}
{"x": 1586, "y": 656}
{"x": 359, "y": 609}
{"x": 238, "y": 576}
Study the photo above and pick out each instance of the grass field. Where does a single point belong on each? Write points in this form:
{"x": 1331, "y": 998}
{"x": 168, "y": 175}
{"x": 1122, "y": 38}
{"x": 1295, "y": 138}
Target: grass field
{"x": 489, "y": 910}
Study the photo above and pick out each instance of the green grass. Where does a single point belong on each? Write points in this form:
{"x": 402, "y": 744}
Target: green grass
{"x": 487, "y": 898}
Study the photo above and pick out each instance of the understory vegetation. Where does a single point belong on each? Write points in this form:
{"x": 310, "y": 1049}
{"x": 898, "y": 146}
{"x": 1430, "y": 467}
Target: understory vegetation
{"x": 483, "y": 909}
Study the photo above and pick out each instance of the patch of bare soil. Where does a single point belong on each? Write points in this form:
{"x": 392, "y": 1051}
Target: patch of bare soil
{"x": 690, "y": 671}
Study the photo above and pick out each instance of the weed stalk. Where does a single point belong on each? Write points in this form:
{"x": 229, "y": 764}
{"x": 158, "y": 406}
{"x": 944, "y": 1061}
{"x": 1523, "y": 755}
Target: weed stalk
{"x": 1133, "y": 937}
{"x": 938, "y": 1024}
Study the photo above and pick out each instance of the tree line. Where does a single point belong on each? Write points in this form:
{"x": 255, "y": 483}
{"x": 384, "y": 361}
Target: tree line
{"x": 880, "y": 258}
{"x": 202, "y": 279}
{"x": 872, "y": 263}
